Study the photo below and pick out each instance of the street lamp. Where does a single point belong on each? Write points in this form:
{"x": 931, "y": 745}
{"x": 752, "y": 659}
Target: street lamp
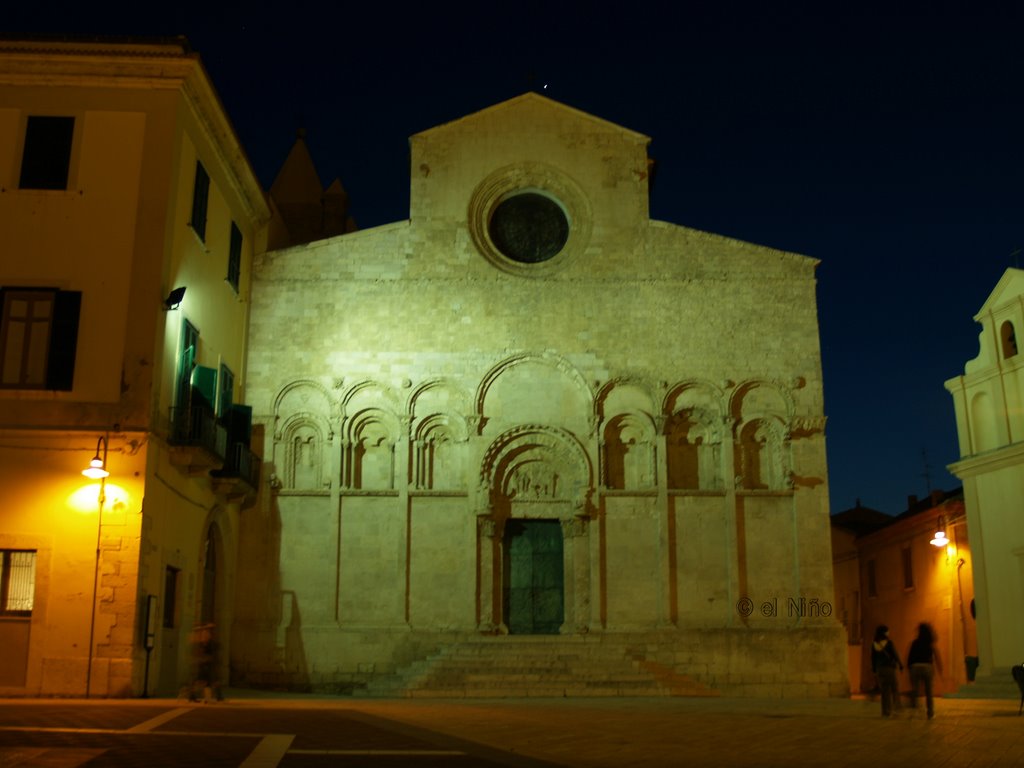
{"x": 97, "y": 470}
{"x": 940, "y": 539}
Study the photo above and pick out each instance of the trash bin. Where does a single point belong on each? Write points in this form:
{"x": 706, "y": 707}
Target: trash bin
{"x": 972, "y": 667}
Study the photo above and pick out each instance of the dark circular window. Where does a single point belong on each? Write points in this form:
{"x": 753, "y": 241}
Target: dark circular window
{"x": 529, "y": 228}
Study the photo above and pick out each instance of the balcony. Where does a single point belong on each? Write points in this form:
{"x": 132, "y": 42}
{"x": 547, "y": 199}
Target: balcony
{"x": 198, "y": 441}
{"x": 239, "y": 478}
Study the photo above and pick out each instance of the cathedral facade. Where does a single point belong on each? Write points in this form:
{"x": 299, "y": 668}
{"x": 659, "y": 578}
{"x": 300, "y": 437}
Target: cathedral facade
{"x": 530, "y": 411}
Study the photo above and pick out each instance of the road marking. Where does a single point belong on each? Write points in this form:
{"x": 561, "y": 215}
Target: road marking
{"x": 268, "y": 752}
{"x": 409, "y": 752}
{"x": 155, "y": 722}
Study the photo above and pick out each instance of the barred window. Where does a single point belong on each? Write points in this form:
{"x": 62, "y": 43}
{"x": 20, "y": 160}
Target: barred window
{"x": 17, "y": 582}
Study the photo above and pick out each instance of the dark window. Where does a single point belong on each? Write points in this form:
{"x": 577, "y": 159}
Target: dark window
{"x": 17, "y": 582}
{"x": 235, "y": 256}
{"x": 200, "y": 200}
{"x": 1009, "y": 339}
{"x": 529, "y": 228}
{"x": 908, "y": 569}
{"x": 872, "y": 583}
{"x": 226, "y": 388}
{"x": 170, "y": 596}
{"x": 47, "y": 154}
{"x": 186, "y": 362}
{"x": 38, "y": 338}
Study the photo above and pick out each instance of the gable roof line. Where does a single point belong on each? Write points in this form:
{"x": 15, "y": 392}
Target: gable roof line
{"x": 534, "y": 96}
{"x": 996, "y": 298}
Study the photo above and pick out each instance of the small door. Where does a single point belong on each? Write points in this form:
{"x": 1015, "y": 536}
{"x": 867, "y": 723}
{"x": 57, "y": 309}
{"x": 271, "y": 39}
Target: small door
{"x": 534, "y": 577}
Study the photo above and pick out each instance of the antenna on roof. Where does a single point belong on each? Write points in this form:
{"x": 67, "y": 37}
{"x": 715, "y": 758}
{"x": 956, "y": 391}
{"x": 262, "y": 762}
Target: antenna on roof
{"x": 1015, "y": 261}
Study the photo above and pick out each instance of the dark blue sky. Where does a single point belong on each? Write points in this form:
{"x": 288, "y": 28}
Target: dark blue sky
{"x": 888, "y": 143}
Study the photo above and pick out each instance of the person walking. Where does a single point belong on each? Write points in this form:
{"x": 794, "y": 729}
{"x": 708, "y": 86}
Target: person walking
{"x": 884, "y": 662}
{"x": 922, "y": 661}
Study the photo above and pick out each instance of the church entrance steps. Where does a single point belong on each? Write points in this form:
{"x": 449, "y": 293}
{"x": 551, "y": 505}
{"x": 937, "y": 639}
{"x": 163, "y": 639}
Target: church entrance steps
{"x": 997, "y": 684}
{"x": 536, "y": 666}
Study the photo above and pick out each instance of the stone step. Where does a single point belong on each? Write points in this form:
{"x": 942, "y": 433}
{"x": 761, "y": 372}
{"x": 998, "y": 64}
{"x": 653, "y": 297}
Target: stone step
{"x": 536, "y": 667}
{"x": 999, "y": 684}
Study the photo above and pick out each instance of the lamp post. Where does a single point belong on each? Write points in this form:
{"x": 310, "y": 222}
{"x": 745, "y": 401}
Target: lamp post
{"x": 97, "y": 470}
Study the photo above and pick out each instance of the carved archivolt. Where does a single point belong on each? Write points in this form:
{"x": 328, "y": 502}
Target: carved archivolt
{"x": 302, "y": 416}
{"x": 538, "y": 463}
{"x": 762, "y": 457}
{"x": 569, "y": 374}
{"x": 439, "y": 452}
{"x": 623, "y": 394}
{"x": 368, "y": 451}
{"x": 762, "y": 413}
{"x": 437, "y": 396}
{"x": 630, "y": 451}
{"x": 304, "y": 437}
{"x": 303, "y": 398}
{"x": 756, "y": 398}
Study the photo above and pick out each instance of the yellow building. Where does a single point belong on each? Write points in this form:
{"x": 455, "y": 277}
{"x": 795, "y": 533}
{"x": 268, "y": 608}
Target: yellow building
{"x": 121, "y": 180}
{"x": 895, "y": 571}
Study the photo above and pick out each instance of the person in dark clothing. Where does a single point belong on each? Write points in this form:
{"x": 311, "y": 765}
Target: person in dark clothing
{"x": 884, "y": 663}
{"x": 923, "y": 660}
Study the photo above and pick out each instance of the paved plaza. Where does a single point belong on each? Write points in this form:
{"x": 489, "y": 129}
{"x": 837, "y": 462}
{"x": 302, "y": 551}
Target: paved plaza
{"x": 305, "y": 732}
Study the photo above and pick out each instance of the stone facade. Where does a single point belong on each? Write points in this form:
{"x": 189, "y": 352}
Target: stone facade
{"x": 562, "y": 418}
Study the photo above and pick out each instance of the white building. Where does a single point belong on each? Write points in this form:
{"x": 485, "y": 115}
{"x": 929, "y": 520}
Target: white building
{"x": 989, "y": 403}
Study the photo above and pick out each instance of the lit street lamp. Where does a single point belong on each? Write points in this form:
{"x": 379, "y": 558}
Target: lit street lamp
{"x": 97, "y": 470}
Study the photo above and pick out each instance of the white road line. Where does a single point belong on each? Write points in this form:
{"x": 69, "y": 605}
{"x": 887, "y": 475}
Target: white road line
{"x": 268, "y": 752}
{"x": 159, "y": 720}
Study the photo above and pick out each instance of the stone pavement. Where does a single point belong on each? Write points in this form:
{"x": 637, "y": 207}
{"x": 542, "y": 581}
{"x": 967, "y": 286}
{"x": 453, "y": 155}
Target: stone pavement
{"x": 295, "y": 732}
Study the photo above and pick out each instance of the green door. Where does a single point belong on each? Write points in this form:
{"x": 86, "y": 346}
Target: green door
{"x": 534, "y": 576}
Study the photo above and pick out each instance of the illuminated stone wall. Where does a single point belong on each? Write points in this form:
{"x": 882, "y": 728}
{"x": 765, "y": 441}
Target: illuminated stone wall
{"x": 425, "y": 387}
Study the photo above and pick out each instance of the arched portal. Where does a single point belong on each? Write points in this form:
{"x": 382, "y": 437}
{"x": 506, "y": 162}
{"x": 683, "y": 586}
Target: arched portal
{"x": 534, "y": 568}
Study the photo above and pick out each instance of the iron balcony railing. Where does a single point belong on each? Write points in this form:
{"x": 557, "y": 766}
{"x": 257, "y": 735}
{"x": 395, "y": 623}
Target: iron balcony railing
{"x": 196, "y": 425}
{"x": 241, "y": 463}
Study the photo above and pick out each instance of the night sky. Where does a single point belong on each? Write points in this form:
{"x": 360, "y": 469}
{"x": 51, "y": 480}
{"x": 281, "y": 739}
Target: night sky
{"x": 888, "y": 144}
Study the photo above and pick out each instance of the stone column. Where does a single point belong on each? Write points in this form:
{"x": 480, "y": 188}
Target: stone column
{"x": 665, "y": 609}
{"x": 489, "y": 533}
{"x": 400, "y": 481}
{"x": 576, "y": 554}
{"x": 734, "y": 555}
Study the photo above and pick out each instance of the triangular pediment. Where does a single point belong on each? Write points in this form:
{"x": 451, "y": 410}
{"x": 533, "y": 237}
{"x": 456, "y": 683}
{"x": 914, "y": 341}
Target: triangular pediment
{"x": 534, "y": 107}
{"x": 1009, "y": 287}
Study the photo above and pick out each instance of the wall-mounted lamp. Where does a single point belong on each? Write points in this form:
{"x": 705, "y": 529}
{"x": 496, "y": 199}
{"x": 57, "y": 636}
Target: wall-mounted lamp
{"x": 97, "y": 469}
{"x": 941, "y": 526}
{"x": 174, "y": 298}
{"x": 940, "y": 539}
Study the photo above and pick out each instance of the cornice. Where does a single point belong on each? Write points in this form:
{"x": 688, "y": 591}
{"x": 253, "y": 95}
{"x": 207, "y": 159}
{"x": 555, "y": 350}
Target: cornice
{"x": 989, "y": 461}
{"x": 127, "y": 63}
